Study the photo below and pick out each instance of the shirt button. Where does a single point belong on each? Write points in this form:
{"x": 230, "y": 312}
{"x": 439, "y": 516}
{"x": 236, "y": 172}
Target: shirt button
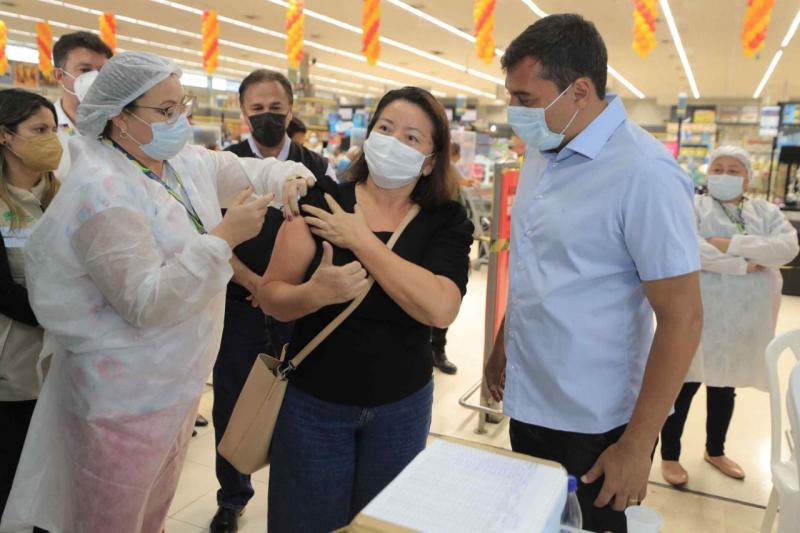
{"x": 529, "y": 233}
{"x": 539, "y": 196}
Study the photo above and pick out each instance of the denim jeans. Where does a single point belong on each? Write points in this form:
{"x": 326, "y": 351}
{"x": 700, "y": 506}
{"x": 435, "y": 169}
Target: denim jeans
{"x": 329, "y": 460}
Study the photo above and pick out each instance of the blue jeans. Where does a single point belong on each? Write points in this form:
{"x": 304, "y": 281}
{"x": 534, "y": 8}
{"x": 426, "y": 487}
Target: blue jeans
{"x": 330, "y": 460}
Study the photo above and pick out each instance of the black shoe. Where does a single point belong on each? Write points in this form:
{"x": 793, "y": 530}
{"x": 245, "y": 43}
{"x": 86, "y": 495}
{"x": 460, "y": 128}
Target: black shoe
{"x": 200, "y": 421}
{"x": 225, "y": 521}
{"x": 441, "y": 362}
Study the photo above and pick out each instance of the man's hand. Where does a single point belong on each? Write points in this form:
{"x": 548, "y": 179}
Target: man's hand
{"x": 494, "y": 375}
{"x": 626, "y": 468}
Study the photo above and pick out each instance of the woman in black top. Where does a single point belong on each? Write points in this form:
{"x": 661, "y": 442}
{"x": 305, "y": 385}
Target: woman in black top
{"x": 358, "y": 409}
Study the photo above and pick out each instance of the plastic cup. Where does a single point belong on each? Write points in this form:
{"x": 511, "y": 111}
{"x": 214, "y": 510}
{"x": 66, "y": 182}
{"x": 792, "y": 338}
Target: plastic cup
{"x": 642, "y": 519}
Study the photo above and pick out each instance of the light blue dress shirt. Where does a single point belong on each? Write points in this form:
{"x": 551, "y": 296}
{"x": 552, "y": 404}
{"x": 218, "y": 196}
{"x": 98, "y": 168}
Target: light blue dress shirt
{"x": 589, "y": 224}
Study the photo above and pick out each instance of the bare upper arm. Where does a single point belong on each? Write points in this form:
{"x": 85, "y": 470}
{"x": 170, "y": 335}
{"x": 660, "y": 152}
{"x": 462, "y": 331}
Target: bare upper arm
{"x": 674, "y": 297}
{"x": 294, "y": 250}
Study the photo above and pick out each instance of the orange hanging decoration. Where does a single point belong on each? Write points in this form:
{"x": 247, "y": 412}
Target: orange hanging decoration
{"x": 645, "y": 13}
{"x": 108, "y": 30}
{"x": 294, "y": 32}
{"x": 210, "y": 33}
{"x": 371, "y": 44}
{"x": 44, "y": 40}
{"x": 3, "y": 41}
{"x": 754, "y": 29}
{"x": 483, "y": 14}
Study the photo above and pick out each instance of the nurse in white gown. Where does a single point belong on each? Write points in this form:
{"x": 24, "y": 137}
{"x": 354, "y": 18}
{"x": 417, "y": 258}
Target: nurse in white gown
{"x": 127, "y": 273}
{"x": 743, "y": 242}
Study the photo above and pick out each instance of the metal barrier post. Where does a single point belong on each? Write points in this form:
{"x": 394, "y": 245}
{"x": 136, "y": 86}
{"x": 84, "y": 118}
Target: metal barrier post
{"x": 488, "y": 409}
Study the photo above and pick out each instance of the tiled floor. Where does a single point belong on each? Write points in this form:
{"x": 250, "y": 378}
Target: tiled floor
{"x": 711, "y": 503}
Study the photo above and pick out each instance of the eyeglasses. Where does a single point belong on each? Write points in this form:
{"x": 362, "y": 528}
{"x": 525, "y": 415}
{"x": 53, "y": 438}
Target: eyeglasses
{"x": 173, "y": 112}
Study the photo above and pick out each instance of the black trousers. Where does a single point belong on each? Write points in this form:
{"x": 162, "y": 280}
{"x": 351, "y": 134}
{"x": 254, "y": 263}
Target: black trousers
{"x": 438, "y": 339}
{"x": 15, "y": 417}
{"x": 577, "y": 452}
{"x": 243, "y": 338}
{"x": 719, "y": 406}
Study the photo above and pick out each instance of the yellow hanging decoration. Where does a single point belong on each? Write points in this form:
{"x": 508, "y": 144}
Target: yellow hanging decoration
{"x": 371, "y": 44}
{"x": 483, "y": 14}
{"x": 108, "y": 30}
{"x": 754, "y": 29}
{"x": 210, "y": 34}
{"x": 3, "y": 41}
{"x": 44, "y": 41}
{"x": 645, "y": 13}
{"x": 294, "y": 32}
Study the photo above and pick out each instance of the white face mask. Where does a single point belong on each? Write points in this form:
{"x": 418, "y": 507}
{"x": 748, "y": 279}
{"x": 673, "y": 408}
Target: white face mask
{"x": 724, "y": 187}
{"x": 391, "y": 163}
{"x": 81, "y": 84}
{"x": 530, "y": 125}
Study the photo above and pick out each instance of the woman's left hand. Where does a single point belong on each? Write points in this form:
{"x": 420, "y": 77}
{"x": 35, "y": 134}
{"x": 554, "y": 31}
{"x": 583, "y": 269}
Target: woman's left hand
{"x": 340, "y": 228}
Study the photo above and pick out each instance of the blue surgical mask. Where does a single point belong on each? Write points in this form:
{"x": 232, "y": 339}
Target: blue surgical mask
{"x": 725, "y": 188}
{"x": 168, "y": 139}
{"x": 530, "y": 125}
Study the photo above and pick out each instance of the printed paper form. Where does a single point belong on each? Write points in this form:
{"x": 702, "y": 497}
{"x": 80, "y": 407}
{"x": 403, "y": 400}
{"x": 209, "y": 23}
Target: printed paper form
{"x": 454, "y": 488}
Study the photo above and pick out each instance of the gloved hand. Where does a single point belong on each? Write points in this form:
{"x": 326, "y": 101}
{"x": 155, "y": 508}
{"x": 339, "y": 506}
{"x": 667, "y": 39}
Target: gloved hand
{"x": 297, "y": 179}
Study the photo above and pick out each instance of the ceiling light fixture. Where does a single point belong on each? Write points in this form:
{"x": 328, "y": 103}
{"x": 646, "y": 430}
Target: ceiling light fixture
{"x": 792, "y": 30}
{"x": 676, "y": 38}
{"x": 774, "y": 63}
{"x": 778, "y": 55}
{"x": 536, "y": 9}
{"x": 330, "y": 49}
{"x": 397, "y": 44}
{"x": 611, "y": 70}
{"x": 344, "y": 53}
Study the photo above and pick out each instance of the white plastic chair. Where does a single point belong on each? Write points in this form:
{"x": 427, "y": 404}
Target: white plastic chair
{"x": 785, "y": 474}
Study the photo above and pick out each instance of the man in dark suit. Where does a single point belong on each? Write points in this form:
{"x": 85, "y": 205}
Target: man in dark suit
{"x": 266, "y": 101}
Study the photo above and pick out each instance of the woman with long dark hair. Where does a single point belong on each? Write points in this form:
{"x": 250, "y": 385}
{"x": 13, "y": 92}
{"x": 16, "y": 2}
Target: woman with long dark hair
{"x": 29, "y": 153}
{"x": 358, "y": 409}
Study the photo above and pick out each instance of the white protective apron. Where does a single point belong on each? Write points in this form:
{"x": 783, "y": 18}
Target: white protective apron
{"x": 108, "y": 438}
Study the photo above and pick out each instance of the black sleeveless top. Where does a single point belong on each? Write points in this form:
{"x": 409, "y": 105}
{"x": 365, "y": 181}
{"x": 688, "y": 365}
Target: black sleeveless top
{"x": 380, "y": 354}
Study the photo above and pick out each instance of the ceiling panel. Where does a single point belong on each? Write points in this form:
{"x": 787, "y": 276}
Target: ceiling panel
{"x": 710, "y": 31}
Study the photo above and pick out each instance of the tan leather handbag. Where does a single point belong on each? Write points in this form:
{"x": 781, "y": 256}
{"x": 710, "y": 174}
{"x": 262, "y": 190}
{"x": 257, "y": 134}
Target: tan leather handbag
{"x": 247, "y": 438}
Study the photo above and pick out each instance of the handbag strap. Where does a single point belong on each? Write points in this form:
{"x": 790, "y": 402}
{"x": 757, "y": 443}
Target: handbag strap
{"x": 322, "y": 335}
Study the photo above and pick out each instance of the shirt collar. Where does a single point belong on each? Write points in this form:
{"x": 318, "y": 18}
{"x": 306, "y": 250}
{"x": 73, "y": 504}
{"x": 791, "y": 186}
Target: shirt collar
{"x": 282, "y": 156}
{"x": 34, "y": 195}
{"x": 591, "y": 140}
{"x": 63, "y": 119}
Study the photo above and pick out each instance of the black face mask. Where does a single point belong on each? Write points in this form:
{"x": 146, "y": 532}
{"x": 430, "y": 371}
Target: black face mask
{"x": 269, "y": 129}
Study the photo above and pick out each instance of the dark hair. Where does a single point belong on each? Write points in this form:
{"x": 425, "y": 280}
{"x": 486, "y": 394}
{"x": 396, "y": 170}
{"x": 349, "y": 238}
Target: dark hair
{"x": 296, "y": 126}
{"x": 262, "y": 75}
{"x": 455, "y": 149}
{"x": 80, "y": 39}
{"x": 441, "y": 186}
{"x": 567, "y": 46}
{"x": 17, "y": 106}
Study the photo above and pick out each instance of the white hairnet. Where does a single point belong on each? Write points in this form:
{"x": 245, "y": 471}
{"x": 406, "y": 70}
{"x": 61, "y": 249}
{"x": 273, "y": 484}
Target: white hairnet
{"x": 123, "y": 79}
{"x": 735, "y": 152}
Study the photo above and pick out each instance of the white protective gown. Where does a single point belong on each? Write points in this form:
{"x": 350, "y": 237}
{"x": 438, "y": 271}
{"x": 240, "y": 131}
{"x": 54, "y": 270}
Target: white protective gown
{"x": 740, "y": 309}
{"x": 132, "y": 298}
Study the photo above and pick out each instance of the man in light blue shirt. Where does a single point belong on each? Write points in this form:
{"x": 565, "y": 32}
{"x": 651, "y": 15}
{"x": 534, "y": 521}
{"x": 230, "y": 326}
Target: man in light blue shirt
{"x": 603, "y": 234}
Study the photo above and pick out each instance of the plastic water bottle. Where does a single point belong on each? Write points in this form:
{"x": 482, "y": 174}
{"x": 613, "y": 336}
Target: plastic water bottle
{"x": 572, "y": 516}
